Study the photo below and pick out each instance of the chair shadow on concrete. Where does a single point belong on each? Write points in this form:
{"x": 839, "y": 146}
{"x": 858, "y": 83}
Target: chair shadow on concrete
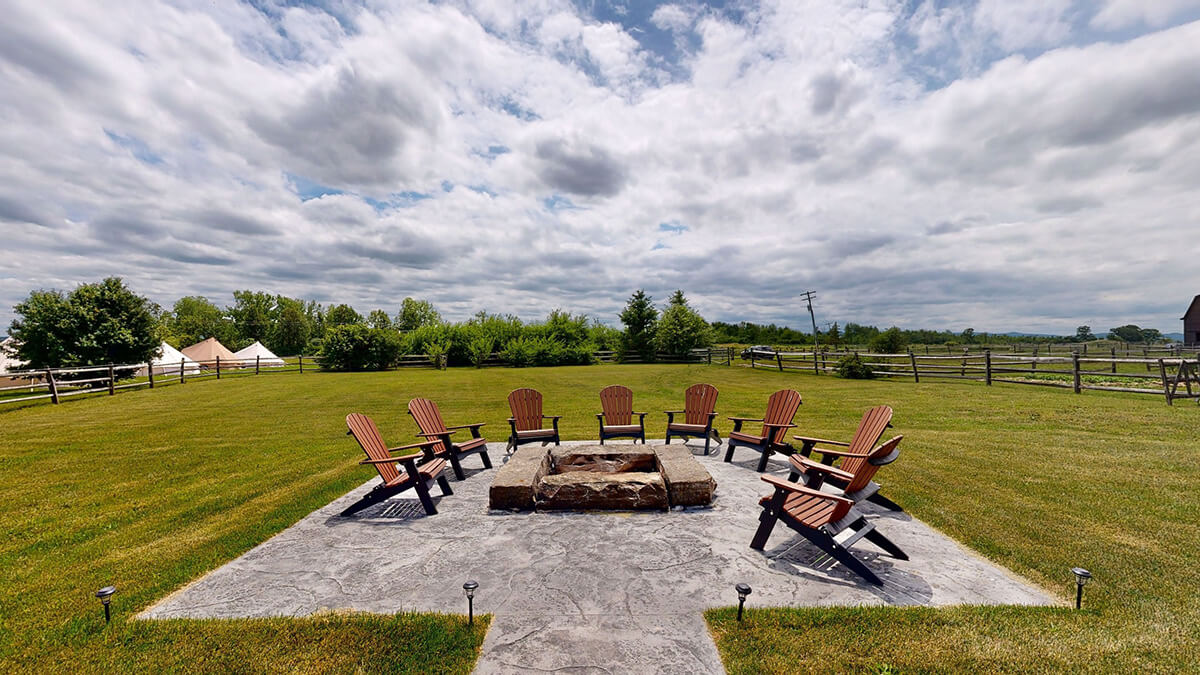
{"x": 804, "y": 559}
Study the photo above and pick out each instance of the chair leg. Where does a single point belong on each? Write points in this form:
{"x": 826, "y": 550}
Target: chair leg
{"x": 457, "y": 466}
{"x": 487, "y": 461}
{"x": 445, "y": 485}
{"x": 706, "y": 441}
{"x": 766, "y": 525}
{"x": 762, "y": 463}
{"x": 729, "y": 452}
{"x": 876, "y": 537}
{"x": 885, "y": 502}
{"x": 426, "y": 501}
{"x": 511, "y": 446}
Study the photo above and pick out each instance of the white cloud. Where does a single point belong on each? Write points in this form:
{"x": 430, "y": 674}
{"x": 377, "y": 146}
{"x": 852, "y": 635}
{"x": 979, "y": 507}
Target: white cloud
{"x": 1119, "y": 14}
{"x": 520, "y": 156}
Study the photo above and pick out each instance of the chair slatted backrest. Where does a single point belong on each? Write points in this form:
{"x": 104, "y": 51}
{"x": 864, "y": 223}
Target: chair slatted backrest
{"x": 526, "y": 408}
{"x": 429, "y": 420}
{"x": 861, "y": 465}
{"x": 698, "y": 401}
{"x": 617, "y": 403}
{"x": 870, "y": 429}
{"x": 781, "y": 409}
{"x": 367, "y": 434}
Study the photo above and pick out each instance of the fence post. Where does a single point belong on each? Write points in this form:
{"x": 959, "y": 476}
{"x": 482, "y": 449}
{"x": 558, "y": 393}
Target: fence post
{"x": 181, "y": 371}
{"x": 779, "y": 360}
{"x": 926, "y": 350}
{"x": 257, "y": 362}
{"x": 753, "y": 361}
{"x": 301, "y": 357}
{"x": 53, "y": 386}
{"x": 111, "y": 377}
{"x": 966, "y": 350}
{"x": 1085, "y": 349}
{"x": 1033, "y": 363}
{"x": 1162, "y": 371}
{"x": 816, "y": 370}
{"x": 150, "y": 370}
{"x": 710, "y": 356}
{"x": 1145, "y": 355}
{"x": 1075, "y": 369}
{"x": 913, "y": 357}
{"x": 987, "y": 366}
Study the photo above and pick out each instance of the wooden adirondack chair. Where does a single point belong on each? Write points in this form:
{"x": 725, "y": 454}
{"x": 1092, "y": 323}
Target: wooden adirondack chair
{"x": 420, "y": 477}
{"x": 855, "y": 476}
{"x": 699, "y": 412}
{"x": 617, "y": 403}
{"x": 870, "y": 430}
{"x": 526, "y": 420}
{"x": 819, "y": 517}
{"x": 429, "y": 421}
{"x": 781, "y": 408}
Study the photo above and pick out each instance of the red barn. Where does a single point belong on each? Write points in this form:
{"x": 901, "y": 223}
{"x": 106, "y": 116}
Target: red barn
{"x": 1191, "y": 323}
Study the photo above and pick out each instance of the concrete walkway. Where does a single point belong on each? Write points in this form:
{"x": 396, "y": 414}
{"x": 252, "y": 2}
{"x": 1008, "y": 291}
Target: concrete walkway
{"x": 585, "y": 592}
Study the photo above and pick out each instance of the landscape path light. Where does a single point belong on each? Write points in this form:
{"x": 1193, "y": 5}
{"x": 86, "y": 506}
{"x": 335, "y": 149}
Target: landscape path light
{"x": 104, "y": 594}
{"x": 469, "y": 590}
{"x": 743, "y": 590}
{"x": 1082, "y": 576}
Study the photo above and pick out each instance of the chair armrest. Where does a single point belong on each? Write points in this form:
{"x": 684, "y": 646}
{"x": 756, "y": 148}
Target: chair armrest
{"x": 469, "y": 426}
{"x": 788, "y": 486}
{"x": 804, "y": 465}
{"x": 392, "y": 460}
{"x": 746, "y": 419}
{"x": 837, "y": 453}
{"x": 437, "y": 435}
{"x": 553, "y": 417}
{"x": 673, "y": 412}
{"x": 422, "y": 444}
{"x": 641, "y": 414}
{"x": 787, "y": 425}
{"x": 599, "y": 416}
{"x": 810, "y": 439}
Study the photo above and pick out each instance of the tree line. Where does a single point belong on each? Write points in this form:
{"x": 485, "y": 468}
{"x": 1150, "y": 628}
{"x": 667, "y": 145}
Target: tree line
{"x": 106, "y": 322}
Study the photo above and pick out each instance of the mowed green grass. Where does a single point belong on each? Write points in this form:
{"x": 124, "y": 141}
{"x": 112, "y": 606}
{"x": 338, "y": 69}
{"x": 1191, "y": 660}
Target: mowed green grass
{"x": 150, "y": 489}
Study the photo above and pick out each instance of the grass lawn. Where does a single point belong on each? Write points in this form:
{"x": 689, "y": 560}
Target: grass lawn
{"x": 148, "y": 490}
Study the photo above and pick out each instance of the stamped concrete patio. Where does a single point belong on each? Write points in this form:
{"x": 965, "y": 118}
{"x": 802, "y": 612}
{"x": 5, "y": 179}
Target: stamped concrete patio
{"x": 588, "y": 592}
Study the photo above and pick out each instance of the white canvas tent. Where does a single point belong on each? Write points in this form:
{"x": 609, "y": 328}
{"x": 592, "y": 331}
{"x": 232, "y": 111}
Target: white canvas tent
{"x": 258, "y": 351}
{"x": 8, "y": 360}
{"x": 169, "y": 361}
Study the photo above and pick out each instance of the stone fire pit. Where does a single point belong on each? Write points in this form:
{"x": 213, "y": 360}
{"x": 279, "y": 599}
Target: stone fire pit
{"x": 616, "y": 477}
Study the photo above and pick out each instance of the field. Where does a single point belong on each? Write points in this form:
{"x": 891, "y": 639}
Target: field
{"x": 149, "y": 490}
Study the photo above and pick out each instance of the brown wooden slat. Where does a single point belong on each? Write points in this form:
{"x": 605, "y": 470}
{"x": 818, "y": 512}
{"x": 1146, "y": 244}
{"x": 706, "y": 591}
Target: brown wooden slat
{"x": 699, "y": 401}
{"x": 367, "y": 434}
{"x": 781, "y": 409}
{"x": 617, "y": 403}
{"x": 526, "y": 407}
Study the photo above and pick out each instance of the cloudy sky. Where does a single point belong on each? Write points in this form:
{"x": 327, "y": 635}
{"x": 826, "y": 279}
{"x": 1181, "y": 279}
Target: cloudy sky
{"x": 1002, "y": 164}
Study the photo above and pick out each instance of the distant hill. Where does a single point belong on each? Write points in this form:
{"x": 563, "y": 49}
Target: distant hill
{"x": 1019, "y": 334}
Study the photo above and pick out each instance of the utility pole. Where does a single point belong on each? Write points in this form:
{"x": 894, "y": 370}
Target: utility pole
{"x": 809, "y": 295}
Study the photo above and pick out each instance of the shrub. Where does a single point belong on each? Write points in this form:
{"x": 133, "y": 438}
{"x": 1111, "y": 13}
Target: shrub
{"x": 359, "y": 347}
{"x": 852, "y": 367}
{"x": 436, "y": 350}
{"x": 518, "y": 352}
{"x": 480, "y": 349}
{"x": 889, "y": 341}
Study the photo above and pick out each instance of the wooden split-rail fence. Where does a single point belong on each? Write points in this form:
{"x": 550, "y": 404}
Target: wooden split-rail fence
{"x": 57, "y": 384}
{"x": 1173, "y": 377}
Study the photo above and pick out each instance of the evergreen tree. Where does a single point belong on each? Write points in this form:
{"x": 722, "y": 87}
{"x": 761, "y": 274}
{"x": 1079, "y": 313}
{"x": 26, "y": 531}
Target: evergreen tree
{"x": 639, "y": 317}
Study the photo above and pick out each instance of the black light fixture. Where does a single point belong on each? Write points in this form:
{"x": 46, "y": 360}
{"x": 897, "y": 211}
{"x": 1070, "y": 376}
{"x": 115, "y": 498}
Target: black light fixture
{"x": 742, "y": 590}
{"x": 104, "y": 594}
{"x": 469, "y": 590}
{"x": 1082, "y": 576}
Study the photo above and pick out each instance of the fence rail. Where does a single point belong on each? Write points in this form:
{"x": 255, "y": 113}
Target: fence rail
{"x": 1178, "y": 377}
{"x": 55, "y": 384}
